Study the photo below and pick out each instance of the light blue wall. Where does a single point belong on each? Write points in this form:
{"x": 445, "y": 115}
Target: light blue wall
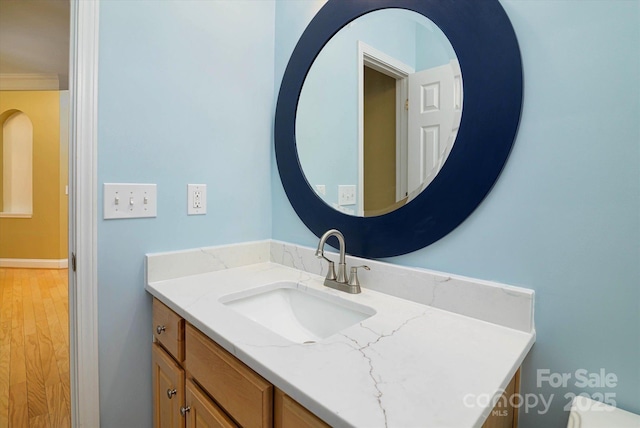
{"x": 564, "y": 217}
{"x": 185, "y": 96}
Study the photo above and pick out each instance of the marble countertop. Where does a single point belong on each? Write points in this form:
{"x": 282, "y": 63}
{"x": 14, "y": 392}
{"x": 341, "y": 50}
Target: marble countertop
{"x": 408, "y": 365}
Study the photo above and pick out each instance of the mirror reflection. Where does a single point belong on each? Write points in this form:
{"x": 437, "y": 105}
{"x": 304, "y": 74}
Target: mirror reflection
{"x": 379, "y": 111}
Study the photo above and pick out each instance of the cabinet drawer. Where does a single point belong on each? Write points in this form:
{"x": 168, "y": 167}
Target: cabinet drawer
{"x": 204, "y": 413}
{"x": 245, "y": 395}
{"x": 168, "y": 329}
{"x": 290, "y": 414}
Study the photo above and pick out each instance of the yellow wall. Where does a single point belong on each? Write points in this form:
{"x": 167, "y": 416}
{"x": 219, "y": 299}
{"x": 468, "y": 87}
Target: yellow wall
{"x": 64, "y": 174}
{"x": 3, "y": 116}
{"x": 39, "y": 237}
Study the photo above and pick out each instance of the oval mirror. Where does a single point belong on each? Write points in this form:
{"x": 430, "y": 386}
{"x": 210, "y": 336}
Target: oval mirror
{"x": 489, "y": 57}
{"x": 379, "y": 112}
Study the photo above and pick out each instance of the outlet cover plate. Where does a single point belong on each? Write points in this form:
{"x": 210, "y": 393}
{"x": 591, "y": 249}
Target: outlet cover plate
{"x": 196, "y": 199}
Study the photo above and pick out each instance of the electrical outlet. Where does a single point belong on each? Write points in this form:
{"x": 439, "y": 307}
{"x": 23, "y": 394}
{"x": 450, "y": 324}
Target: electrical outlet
{"x": 196, "y": 199}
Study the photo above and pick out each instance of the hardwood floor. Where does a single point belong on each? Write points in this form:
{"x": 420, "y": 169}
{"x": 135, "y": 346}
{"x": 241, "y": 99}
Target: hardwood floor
{"x": 34, "y": 348}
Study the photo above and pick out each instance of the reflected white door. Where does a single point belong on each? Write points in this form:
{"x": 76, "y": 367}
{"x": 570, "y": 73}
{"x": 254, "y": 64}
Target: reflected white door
{"x": 435, "y": 110}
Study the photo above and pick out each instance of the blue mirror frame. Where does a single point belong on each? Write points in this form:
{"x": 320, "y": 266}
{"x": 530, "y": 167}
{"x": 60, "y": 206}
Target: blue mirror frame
{"x": 487, "y": 49}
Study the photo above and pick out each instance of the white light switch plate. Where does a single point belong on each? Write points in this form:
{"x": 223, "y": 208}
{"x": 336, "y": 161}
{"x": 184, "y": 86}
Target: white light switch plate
{"x": 129, "y": 200}
{"x": 347, "y": 194}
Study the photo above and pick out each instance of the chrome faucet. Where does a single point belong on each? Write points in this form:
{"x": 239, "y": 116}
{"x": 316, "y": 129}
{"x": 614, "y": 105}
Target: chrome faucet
{"x": 339, "y": 281}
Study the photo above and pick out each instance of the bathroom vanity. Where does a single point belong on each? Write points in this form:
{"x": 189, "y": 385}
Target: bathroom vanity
{"x": 439, "y": 352}
{"x": 249, "y": 334}
{"x": 219, "y": 388}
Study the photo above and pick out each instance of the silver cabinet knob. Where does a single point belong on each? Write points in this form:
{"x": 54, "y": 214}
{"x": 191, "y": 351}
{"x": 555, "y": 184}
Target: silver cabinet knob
{"x": 171, "y": 393}
{"x": 185, "y": 410}
{"x": 160, "y": 329}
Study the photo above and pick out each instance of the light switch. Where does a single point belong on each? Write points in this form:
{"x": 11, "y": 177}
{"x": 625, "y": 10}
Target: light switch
{"x": 129, "y": 200}
{"x": 347, "y": 194}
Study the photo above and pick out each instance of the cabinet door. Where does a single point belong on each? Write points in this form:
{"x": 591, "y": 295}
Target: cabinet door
{"x": 241, "y": 392}
{"x": 168, "y": 390}
{"x": 290, "y": 414}
{"x": 202, "y": 412}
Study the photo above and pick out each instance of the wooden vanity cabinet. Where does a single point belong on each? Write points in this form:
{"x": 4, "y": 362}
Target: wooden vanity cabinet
{"x": 198, "y": 384}
{"x": 177, "y": 400}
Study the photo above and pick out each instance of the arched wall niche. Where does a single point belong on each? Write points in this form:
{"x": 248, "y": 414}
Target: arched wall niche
{"x": 16, "y": 164}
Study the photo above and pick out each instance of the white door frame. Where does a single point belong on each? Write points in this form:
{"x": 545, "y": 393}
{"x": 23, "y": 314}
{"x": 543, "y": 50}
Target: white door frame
{"x": 83, "y": 217}
{"x": 379, "y": 61}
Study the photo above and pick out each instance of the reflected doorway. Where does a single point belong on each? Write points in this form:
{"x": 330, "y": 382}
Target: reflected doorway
{"x": 379, "y": 128}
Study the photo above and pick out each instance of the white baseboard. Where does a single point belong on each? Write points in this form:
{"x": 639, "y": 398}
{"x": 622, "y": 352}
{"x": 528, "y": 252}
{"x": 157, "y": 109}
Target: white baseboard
{"x": 35, "y": 263}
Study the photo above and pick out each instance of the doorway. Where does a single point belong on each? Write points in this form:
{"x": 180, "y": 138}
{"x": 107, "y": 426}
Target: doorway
{"x": 380, "y": 142}
{"x": 34, "y": 106}
{"x": 382, "y": 118}
{"x": 81, "y": 327}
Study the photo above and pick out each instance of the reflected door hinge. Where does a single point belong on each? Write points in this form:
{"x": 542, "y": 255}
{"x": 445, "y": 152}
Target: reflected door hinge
{"x": 406, "y": 105}
{"x": 73, "y": 261}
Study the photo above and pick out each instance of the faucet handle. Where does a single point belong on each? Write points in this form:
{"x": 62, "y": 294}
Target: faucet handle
{"x": 353, "y": 276}
{"x": 331, "y": 270}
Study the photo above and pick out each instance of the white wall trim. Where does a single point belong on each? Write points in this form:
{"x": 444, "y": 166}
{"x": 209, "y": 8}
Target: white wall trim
{"x": 35, "y": 263}
{"x": 83, "y": 213}
{"x": 29, "y": 82}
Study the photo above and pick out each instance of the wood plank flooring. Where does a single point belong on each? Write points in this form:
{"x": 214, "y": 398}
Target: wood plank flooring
{"x": 34, "y": 348}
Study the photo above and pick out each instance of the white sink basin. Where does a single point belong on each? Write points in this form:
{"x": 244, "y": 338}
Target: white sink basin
{"x": 301, "y": 315}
